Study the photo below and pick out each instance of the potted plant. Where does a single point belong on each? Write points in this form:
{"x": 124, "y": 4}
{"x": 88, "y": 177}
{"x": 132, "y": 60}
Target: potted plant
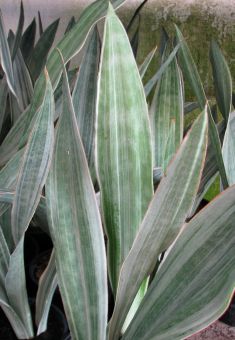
{"x": 82, "y": 166}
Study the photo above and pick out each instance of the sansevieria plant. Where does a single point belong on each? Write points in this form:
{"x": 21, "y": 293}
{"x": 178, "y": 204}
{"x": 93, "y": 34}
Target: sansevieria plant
{"x": 109, "y": 172}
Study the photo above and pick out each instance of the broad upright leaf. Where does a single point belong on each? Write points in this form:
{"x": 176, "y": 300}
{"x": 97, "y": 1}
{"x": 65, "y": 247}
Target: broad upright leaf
{"x": 84, "y": 97}
{"x": 167, "y": 105}
{"x": 228, "y": 149}
{"x": 195, "y": 283}
{"x": 191, "y": 73}
{"x": 124, "y": 164}
{"x": 163, "y": 219}
{"x": 39, "y": 54}
{"x": 76, "y": 230}
{"x": 222, "y": 80}
{"x": 6, "y": 57}
{"x": 35, "y": 165}
{"x": 16, "y": 287}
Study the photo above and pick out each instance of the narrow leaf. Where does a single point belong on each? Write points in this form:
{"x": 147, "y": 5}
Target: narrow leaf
{"x": 144, "y": 66}
{"x": 40, "y": 24}
{"x": 8, "y": 176}
{"x": 3, "y": 101}
{"x": 167, "y": 105}
{"x": 4, "y": 258}
{"x": 191, "y": 73}
{"x": 19, "y": 31}
{"x": 163, "y": 219}
{"x": 27, "y": 41}
{"x": 47, "y": 286}
{"x": 228, "y": 150}
{"x": 124, "y": 164}
{"x": 84, "y": 97}
{"x": 73, "y": 211}
{"x": 23, "y": 83}
{"x": 16, "y": 287}
{"x": 35, "y": 166}
{"x": 222, "y": 80}
{"x": 195, "y": 283}
{"x": 41, "y": 50}
{"x": 6, "y": 57}
{"x": 152, "y": 82}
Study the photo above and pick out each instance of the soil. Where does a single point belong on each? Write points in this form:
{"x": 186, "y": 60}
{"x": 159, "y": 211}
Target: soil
{"x": 216, "y": 331}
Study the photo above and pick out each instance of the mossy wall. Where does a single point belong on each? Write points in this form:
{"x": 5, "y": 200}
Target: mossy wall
{"x": 199, "y": 20}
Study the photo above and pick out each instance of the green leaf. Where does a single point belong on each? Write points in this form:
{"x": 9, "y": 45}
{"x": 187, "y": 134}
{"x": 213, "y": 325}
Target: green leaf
{"x": 163, "y": 219}
{"x": 222, "y": 80}
{"x": 228, "y": 150}
{"x": 3, "y": 101}
{"x": 8, "y": 176}
{"x": 35, "y": 166}
{"x": 170, "y": 148}
{"x": 39, "y": 54}
{"x": 10, "y": 145}
{"x": 23, "y": 83}
{"x": 191, "y": 73}
{"x": 84, "y": 97}
{"x": 5, "y": 221}
{"x": 47, "y": 286}
{"x": 152, "y": 82}
{"x": 27, "y": 41}
{"x": 144, "y": 66}
{"x": 195, "y": 283}
{"x": 19, "y": 32}
{"x": 69, "y": 46}
{"x": 6, "y": 57}
{"x": 40, "y": 24}
{"x": 73, "y": 211}
{"x": 210, "y": 170}
{"x": 124, "y": 164}
{"x": 16, "y": 287}
{"x": 167, "y": 106}
{"x": 4, "y": 258}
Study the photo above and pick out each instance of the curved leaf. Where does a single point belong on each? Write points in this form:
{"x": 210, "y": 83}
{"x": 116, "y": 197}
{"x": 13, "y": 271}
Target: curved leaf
{"x": 195, "y": 283}
{"x": 35, "y": 166}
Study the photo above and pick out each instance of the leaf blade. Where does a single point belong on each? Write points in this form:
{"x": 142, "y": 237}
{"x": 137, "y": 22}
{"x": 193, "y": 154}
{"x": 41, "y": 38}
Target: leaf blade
{"x": 163, "y": 219}
{"x": 124, "y": 160}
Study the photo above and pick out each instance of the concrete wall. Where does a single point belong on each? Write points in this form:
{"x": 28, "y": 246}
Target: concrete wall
{"x": 200, "y": 20}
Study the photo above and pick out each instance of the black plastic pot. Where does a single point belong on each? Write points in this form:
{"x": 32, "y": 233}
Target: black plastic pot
{"x": 229, "y": 316}
{"x": 57, "y": 328}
